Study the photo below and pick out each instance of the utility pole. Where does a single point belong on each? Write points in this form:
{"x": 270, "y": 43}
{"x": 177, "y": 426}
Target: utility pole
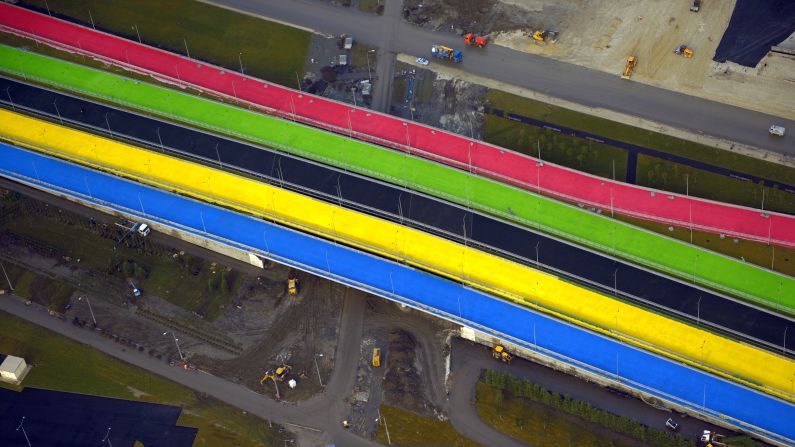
{"x": 22, "y": 427}
{"x": 6, "y": 275}
{"x": 89, "y": 308}
{"x": 176, "y": 342}
{"x": 318, "y": 369}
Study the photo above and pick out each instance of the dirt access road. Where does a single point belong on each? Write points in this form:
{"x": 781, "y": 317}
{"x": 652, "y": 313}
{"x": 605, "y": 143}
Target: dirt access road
{"x": 591, "y": 88}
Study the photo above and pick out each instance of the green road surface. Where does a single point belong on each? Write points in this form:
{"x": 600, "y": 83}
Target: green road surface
{"x": 662, "y": 253}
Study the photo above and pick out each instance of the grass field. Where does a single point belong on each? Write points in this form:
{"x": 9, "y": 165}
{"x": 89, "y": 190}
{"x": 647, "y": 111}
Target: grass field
{"x": 662, "y": 174}
{"x": 526, "y": 411}
{"x": 185, "y": 281}
{"x": 408, "y": 429}
{"x": 54, "y": 367}
{"x": 48, "y": 292}
{"x": 565, "y": 150}
{"x": 653, "y": 172}
{"x": 269, "y": 50}
{"x": 374, "y": 6}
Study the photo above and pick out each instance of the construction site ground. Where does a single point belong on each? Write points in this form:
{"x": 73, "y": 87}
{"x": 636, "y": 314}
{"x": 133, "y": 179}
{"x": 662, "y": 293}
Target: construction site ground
{"x": 601, "y": 34}
{"x": 257, "y": 328}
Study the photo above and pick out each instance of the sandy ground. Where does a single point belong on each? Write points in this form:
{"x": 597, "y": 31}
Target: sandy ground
{"x": 601, "y": 33}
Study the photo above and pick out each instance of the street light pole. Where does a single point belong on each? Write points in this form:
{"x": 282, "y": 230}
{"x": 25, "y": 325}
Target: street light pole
{"x": 318, "y": 369}
{"x": 107, "y": 437}
{"x": 6, "y": 275}
{"x": 698, "y": 311}
{"x": 89, "y": 308}
{"x": 369, "y": 73}
{"x": 176, "y": 342}
{"x": 23, "y": 430}
{"x": 240, "y": 59}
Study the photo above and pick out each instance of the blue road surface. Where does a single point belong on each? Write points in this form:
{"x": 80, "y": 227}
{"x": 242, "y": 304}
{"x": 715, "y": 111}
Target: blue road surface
{"x": 736, "y": 404}
{"x": 54, "y": 418}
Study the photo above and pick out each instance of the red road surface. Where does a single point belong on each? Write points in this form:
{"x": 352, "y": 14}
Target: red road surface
{"x": 442, "y": 146}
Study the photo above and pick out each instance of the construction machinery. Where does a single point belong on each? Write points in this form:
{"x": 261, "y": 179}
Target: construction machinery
{"x": 711, "y": 439}
{"x": 695, "y": 6}
{"x": 269, "y": 375}
{"x": 281, "y": 372}
{"x": 141, "y": 229}
{"x": 443, "y": 52}
{"x": 478, "y": 41}
{"x": 631, "y": 61}
{"x": 683, "y": 50}
{"x": 545, "y": 35}
{"x": 499, "y": 353}
{"x": 292, "y": 286}
{"x": 376, "y": 357}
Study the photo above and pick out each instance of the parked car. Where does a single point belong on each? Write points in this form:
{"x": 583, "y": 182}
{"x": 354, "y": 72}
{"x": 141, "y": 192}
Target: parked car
{"x": 422, "y": 61}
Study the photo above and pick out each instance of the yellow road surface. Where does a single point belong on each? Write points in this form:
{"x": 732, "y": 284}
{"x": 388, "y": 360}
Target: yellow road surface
{"x": 747, "y": 364}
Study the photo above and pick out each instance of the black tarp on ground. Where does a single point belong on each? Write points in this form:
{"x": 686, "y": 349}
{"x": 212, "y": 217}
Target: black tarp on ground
{"x": 755, "y": 26}
{"x": 55, "y": 418}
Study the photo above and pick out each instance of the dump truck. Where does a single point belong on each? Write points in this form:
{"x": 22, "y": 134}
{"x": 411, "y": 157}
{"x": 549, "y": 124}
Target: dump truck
{"x": 631, "y": 61}
{"x": 684, "y": 50}
{"x": 443, "y": 52}
{"x": 376, "y": 357}
{"x": 478, "y": 41}
{"x": 292, "y": 286}
{"x": 499, "y": 353}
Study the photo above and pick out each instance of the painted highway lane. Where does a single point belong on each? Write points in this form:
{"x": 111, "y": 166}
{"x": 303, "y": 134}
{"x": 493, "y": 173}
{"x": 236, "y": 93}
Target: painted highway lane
{"x": 731, "y": 402}
{"x": 419, "y": 211}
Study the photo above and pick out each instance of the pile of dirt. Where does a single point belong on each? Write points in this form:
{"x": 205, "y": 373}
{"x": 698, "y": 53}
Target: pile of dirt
{"x": 402, "y": 383}
{"x": 482, "y": 16}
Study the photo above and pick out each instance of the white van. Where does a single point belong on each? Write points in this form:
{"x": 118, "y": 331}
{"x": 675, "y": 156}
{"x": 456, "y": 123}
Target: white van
{"x": 777, "y": 130}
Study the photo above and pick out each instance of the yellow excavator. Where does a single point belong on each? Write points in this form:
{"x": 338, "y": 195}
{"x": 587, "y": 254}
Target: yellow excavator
{"x": 545, "y": 35}
{"x": 499, "y": 353}
{"x": 376, "y": 357}
{"x": 278, "y": 375}
{"x": 631, "y": 61}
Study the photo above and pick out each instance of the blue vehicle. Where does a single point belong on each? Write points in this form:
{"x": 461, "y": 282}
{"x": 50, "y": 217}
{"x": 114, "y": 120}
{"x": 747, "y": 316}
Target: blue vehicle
{"x": 443, "y": 52}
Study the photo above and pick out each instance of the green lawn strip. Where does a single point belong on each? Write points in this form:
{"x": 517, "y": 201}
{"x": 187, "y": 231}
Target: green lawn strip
{"x": 54, "y": 367}
{"x": 711, "y": 269}
{"x": 526, "y": 411}
{"x": 46, "y": 291}
{"x": 565, "y": 150}
{"x": 646, "y": 138}
{"x": 154, "y": 272}
{"x": 220, "y": 36}
{"x": 669, "y": 176}
{"x": 408, "y": 429}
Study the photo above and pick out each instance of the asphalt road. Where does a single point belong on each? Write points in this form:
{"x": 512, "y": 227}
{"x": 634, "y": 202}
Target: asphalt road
{"x": 570, "y": 82}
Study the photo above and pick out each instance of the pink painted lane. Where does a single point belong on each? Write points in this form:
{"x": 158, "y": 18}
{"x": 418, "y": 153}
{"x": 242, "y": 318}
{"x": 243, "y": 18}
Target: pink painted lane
{"x": 455, "y": 150}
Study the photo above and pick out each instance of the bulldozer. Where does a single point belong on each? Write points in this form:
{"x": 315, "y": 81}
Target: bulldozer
{"x": 499, "y": 353}
{"x": 478, "y": 41}
{"x": 631, "y": 61}
{"x": 545, "y": 35}
{"x": 684, "y": 51}
{"x": 292, "y": 286}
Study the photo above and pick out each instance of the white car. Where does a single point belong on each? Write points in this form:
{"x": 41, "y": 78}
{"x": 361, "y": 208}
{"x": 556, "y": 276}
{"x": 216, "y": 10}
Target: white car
{"x": 422, "y": 61}
{"x": 777, "y": 130}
